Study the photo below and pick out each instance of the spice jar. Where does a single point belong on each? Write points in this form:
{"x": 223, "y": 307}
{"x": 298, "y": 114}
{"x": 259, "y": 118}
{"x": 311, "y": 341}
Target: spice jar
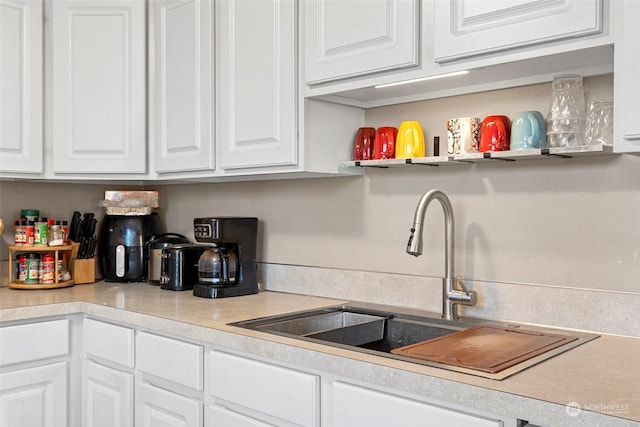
{"x": 29, "y": 231}
{"x": 65, "y": 231}
{"x": 41, "y": 229}
{"x": 20, "y": 236}
{"x": 29, "y": 214}
{"x": 56, "y": 237}
{"x": 48, "y": 268}
{"x": 32, "y": 267}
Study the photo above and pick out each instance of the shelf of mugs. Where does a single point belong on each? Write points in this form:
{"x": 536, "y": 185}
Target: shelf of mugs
{"x": 488, "y": 157}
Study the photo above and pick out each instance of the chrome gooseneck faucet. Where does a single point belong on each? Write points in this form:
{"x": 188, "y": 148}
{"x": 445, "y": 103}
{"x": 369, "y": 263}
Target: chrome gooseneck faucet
{"x": 451, "y": 296}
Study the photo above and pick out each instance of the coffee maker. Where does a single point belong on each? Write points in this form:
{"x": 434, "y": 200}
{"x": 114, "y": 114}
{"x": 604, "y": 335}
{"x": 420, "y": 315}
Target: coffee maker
{"x": 228, "y": 268}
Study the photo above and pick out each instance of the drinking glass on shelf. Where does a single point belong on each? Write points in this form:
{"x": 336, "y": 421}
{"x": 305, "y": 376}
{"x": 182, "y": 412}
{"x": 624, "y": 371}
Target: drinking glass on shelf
{"x": 566, "y": 119}
{"x": 599, "y": 123}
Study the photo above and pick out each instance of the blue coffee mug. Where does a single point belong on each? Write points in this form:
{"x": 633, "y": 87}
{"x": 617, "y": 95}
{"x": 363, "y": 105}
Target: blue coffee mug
{"x": 528, "y": 131}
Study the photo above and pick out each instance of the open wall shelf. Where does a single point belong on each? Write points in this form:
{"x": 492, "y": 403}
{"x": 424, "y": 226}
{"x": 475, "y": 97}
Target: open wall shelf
{"x": 488, "y": 157}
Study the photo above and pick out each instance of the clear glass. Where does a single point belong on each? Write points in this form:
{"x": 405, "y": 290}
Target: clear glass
{"x": 566, "y": 121}
{"x": 599, "y": 123}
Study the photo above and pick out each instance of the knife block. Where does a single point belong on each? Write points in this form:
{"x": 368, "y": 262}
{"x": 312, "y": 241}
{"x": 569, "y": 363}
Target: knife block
{"x": 82, "y": 270}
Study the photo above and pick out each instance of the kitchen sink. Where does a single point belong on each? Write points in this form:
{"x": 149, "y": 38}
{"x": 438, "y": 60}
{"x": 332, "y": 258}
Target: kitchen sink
{"x": 386, "y": 331}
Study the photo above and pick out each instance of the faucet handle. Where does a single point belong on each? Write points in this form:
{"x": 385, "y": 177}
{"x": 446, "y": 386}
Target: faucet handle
{"x": 470, "y": 297}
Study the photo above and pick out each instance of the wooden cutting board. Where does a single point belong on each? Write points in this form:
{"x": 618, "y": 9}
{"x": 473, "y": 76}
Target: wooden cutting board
{"x": 485, "y": 348}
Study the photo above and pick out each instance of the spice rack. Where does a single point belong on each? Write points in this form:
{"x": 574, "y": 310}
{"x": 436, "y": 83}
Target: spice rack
{"x": 57, "y": 250}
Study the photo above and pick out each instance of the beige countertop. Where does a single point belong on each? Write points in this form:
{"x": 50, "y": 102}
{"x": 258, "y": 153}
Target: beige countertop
{"x": 602, "y": 376}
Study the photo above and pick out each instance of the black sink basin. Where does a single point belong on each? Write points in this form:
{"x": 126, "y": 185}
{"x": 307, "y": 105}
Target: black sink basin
{"x": 376, "y": 331}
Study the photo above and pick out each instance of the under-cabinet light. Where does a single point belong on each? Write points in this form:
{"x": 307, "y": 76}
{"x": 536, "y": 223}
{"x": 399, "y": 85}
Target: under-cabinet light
{"x": 439, "y": 76}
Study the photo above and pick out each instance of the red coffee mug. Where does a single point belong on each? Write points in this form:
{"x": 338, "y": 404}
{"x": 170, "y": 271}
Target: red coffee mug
{"x": 495, "y": 134}
{"x": 384, "y": 144}
{"x": 363, "y": 144}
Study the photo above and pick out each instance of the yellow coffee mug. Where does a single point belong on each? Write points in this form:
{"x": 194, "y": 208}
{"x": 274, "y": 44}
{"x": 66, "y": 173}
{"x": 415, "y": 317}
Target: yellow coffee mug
{"x": 410, "y": 140}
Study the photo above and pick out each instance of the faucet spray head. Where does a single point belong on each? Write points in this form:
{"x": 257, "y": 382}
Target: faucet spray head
{"x": 414, "y": 245}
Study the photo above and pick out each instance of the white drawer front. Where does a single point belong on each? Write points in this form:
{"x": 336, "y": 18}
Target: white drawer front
{"x": 290, "y": 395}
{"x": 356, "y": 406}
{"x": 110, "y": 342}
{"x": 219, "y": 416}
{"x": 34, "y": 341}
{"x": 173, "y": 360}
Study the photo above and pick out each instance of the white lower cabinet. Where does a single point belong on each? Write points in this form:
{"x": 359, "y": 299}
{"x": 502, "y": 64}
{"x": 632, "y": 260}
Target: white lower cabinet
{"x": 261, "y": 391}
{"x": 140, "y": 379}
{"x": 34, "y": 383}
{"x": 357, "y": 406}
{"x": 156, "y": 407}
{"x": 107, "y": 397}
{"x": 107, "y": 391}
{"x": 34, "y": 397}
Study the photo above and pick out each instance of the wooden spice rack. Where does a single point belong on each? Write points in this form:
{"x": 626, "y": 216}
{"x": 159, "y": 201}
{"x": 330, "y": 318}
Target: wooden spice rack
{"x": 57, "y": 250}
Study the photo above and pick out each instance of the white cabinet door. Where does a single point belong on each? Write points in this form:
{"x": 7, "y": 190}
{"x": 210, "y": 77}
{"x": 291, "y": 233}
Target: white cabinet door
{"x": 107, "y": 397}
{"x": 21, "y": 90}
{"x": 34, "y": 397}
{"x": 257, "y": 84}
{"x": 626, "y": 81}
{"x": 357, "y": 37}
{"x": 356, "y": 406}
{"x": 156, "y": 407}
{"x": 98, "y": 112}
{"x": 466, "y": 28}
{"x": 181, "y": 85}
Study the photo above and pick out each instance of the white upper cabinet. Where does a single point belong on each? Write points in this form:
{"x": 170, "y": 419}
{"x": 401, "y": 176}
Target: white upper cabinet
{"x": 98, "y": 83}
{"x": 257, "y": 113}
{"x": 626, "y": 78}
{"x": 465, "y": 28}
{"x": 181, "y": 89}
{"x": 21, "y": 86}
{"x": 358, "y": 37}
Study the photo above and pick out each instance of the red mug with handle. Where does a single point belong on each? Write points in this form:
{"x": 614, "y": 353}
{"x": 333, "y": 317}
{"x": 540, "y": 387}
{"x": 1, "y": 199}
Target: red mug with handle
{"x": 363, "y": 144}
{"x": 495, "y": 133}
{"x": 384, "y": 144}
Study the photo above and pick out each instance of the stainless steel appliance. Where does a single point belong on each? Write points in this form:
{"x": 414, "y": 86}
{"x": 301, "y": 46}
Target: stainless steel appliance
{"x": 156, "y": 245}
{"x": 179, "y": 270}
{"x": 123, "y": 246}
{"x": 229, "y": 267}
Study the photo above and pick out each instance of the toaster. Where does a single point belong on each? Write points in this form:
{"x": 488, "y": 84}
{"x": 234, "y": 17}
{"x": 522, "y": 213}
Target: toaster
{"x": 179, "y": 266}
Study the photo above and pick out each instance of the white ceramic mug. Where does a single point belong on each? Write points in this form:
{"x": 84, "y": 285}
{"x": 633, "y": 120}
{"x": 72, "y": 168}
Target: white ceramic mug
{"x": 463, "y": 135}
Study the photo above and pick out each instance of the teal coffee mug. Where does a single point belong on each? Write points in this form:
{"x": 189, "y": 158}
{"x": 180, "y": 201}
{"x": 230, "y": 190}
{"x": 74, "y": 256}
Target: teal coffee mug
{"x": 528, "y": 131}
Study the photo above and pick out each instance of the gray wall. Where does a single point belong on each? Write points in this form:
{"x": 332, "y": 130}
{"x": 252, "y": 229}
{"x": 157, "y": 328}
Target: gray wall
{"x": 553, "y": 222}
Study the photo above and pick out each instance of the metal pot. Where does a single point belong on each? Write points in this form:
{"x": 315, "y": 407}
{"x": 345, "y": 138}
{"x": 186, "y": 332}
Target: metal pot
{"x": 156, "y": 244}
